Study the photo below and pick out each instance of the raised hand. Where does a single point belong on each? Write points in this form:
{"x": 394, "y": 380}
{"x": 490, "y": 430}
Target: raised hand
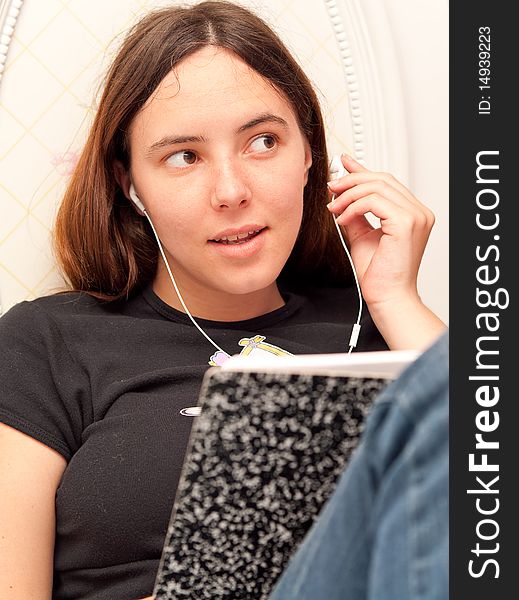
{"x": 387, "y": 258}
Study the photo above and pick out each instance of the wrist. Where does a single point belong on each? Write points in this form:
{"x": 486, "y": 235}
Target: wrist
{"x": 396, "y": 306}
{"x": 406, "y": 322}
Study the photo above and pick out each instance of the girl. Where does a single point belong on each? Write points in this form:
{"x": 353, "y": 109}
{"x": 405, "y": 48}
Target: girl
{"x": 209, "y": 133}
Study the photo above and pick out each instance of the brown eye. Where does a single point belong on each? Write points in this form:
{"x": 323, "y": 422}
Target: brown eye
{"x": 184, "y": 158}
{"x": 263, "y": 143}
{"x": 189, "y": 157}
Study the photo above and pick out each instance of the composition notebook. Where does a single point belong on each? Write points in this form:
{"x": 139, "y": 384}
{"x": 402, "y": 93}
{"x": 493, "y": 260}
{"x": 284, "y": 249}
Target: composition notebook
{"x": 264, "y": 455}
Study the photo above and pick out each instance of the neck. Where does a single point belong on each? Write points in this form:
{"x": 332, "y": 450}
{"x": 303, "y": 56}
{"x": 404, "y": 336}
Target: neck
{"x": 217, "y": 305}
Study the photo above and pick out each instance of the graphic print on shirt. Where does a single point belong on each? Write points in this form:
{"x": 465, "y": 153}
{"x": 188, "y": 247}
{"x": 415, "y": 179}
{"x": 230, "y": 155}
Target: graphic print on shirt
{"x": 252, "y": 346}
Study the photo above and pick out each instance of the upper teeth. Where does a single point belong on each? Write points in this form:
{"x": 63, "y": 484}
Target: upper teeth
{"x": 239, "y": 236}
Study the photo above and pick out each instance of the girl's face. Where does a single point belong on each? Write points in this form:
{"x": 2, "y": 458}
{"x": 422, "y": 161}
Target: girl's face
{"x": 219, "y": 161}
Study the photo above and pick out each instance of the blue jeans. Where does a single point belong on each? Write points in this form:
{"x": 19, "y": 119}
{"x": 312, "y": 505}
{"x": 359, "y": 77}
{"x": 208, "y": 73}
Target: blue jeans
{"x": 383, "y": 534}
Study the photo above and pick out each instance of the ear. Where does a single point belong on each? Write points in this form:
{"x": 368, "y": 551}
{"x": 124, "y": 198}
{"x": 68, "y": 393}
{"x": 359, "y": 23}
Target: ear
{"x": 122, "y": 176}
{"x": 308, "y": 160}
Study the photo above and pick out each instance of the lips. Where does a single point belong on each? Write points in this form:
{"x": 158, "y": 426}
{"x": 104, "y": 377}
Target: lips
{"x": 239, "y": 245}
{"x": 237, "y": 236}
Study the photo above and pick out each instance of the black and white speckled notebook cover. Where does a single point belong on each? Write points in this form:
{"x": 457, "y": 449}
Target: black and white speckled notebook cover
{"x": 264, "y": 456}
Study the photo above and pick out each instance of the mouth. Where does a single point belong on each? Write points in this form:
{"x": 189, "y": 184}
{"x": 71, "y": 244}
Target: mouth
{"x": 241, "y": 237}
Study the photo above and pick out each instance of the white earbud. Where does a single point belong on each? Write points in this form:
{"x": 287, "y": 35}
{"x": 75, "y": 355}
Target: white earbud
{"x": 135, "y": 199}
{"x": 337, "y": 168}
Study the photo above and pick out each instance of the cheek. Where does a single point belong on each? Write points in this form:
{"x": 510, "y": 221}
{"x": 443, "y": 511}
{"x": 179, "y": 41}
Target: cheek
{"x": 288, "y": 196}
{"x": 285, "y": 173}
{"x": 173, "y": 228}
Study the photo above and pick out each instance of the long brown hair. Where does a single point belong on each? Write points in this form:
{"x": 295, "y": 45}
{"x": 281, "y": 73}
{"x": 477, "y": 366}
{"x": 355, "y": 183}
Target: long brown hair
{"x": 102, "y": 245}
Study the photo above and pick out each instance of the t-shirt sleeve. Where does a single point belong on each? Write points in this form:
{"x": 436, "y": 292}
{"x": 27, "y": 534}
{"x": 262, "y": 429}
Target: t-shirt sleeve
{"x": 43, "y": 391}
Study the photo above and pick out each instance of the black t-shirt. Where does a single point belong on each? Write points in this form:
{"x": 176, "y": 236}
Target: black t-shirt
{"x": 112, "y": 386}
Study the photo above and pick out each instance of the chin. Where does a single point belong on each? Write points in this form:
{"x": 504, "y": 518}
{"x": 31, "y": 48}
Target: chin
{"x": 241, "y": 286}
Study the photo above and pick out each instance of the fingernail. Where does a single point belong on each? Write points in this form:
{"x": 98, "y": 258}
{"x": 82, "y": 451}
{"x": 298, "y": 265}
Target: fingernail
{"x": 331, "y": 184}
{"x": 347, "y": 156}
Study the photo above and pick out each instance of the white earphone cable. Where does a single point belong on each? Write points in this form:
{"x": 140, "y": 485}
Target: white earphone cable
{"x": 356, "y": 327}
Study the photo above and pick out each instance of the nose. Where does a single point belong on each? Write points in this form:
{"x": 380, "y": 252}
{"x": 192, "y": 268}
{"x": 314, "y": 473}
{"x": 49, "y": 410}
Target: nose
{"x": 230, "y": 187}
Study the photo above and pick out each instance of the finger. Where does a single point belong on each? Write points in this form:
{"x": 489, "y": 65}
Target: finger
{"x": 365, "y": 189}
{"x": 365, "y": 175}
{"x": 360, "y": 174}
{"x": 352, "y": 165}
{"x": 366, "y": 185}
{"x": 393, "y": 218}
{"x": 352, "y": 179}
{"x": 382, "y": 189}
{"x": 357, "y": 227}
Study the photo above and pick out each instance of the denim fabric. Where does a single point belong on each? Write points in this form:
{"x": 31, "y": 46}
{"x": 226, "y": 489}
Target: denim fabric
{"x": 383, "y": 534}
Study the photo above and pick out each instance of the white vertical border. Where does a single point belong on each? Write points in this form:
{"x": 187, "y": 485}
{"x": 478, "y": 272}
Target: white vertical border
{"x": 373, "y": 83}
{"x": 9, "y": 11}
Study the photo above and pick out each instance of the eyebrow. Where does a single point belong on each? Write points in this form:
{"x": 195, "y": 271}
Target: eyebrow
{"x": 263, "y": 118}
{"x": 171, "y": 140}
